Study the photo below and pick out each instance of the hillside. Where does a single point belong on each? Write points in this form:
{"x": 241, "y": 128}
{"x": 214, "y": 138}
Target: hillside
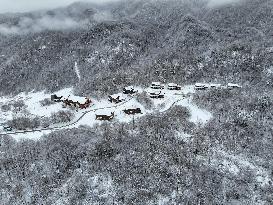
{"x": 208, "y": 146}
{"x": 140, "y": 38}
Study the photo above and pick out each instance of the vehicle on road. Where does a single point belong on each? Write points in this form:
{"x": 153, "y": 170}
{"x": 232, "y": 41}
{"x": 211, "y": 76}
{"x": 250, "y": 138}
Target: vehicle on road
{"x": 7, "y": 128}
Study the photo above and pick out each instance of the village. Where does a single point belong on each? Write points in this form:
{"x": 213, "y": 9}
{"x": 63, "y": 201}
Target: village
{"x": 124, "y": 102}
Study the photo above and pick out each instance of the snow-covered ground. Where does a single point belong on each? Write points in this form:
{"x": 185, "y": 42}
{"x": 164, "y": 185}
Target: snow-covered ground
{"x": 77, "y": 71}
{"x": 103, "y": 107}
{"x": 236, "y": 165}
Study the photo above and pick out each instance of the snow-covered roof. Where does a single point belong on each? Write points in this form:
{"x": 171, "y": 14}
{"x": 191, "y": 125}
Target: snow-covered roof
{"x": 200, "y": 84}
{"x": 234, "y": 85}
{"x": 156, "y": 93}
{"x": 116, "y": 96}
{"x": 104, "y": 112}
{"x": 156, "y": 83}
{"x": 132, "y": 107}
{"x": 129, "y": 87}
{"x": 172, "y": 84}
{"x": 76, "y": 98}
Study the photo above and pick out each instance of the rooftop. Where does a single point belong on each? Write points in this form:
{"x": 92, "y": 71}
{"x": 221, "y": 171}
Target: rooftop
{"x": 156, "y": 83}
{"x": 172, "y": 84}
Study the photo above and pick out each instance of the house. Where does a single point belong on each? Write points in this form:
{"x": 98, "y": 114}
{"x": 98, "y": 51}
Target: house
{"x": 105, "y": 117}
{"x": 115, "y": 99}
{"x": 132, "y": 111}
{"x": 129, "y": 90}
{"x": 157, "y": 95}
{"x": 201, "y": 86}
{"x": 85, "y": 105}
{"x": 157, "y": 85}
{"x": 55, "y": 98}
{"x": 173, "y": 86}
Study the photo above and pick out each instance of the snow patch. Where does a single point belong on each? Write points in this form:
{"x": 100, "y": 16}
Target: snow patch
{"x": 77, "y": 71}
{"x": 198, "y": 116}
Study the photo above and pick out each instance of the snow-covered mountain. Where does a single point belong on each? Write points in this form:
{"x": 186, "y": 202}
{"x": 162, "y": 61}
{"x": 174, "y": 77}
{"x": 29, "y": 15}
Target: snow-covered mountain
{"x": 131, "y": 39}
{"x": 208, "y": 143}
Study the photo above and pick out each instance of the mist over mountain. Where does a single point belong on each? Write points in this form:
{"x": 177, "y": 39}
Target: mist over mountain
{"x": 162, "y": 158}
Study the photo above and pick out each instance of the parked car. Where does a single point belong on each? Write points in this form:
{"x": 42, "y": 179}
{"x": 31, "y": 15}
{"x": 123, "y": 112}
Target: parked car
{"x": 157, "y": 95}
{"x": 200, "y": 86}
{"x": 157, "y": 85}
{"x": 7, "y": 128}
{"x": 173, "y": 86}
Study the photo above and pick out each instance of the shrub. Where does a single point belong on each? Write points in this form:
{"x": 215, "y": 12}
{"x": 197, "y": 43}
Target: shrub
{"x": 61, "y": 117}
{"x": 145, "y": 100}
{"x": 6, "y": 107}
{"x": 23, "y": 123}
{"x": 46, "y": 102}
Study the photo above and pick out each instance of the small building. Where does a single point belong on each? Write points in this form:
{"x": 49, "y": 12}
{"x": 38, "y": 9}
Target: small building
{"x": 129, "y": 90}
{"x": 55, "y": 98}
{"x": 132, "y": 111}
{"x": 233, "y": 86}
{"x": 157, "y": 85}
{"x": 105, "y": 117}
{"x": 115, "y": 99}
{"x": 201, "y": 86}
{"x": 157, "y": 95}
{"x": 173, "y": 86}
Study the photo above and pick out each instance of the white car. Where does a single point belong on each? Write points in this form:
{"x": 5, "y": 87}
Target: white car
{"x": 157, "y": 85}
{"x": 173, "y": 86}
{"x": 200, "y": 86}
{"x": 231, "y": 86}
{"x": 157, "y": 95}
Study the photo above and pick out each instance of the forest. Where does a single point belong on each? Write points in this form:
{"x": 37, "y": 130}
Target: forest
{"x": 157, "y": 159}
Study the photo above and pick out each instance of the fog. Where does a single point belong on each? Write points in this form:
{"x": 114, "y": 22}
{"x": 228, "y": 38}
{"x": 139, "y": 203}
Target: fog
{"x": 30, "y": 5}
{"x": 60, "y": 21}
{"x": 28, "y": 25}
{"x": 217, "y": 3}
